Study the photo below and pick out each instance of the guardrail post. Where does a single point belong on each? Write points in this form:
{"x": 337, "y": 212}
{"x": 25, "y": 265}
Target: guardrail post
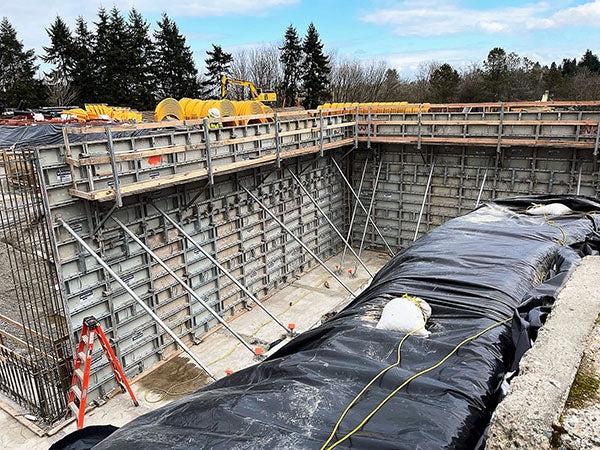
{"x": 209, "y": 167}
{"x": 277, "y": 141}
{"x": 113, "y": 165}
{"x": 321, "y": 132}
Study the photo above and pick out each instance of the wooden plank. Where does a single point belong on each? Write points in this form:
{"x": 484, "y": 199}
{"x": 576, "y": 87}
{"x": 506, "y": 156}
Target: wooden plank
{"x": 493, "y": 142}
{"x": 378, "y": 123}
{"x": 85, "y": 160}
{"x": 199, "y": 174}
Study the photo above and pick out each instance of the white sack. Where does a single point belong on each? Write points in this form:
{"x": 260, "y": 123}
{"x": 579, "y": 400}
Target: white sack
{"x": 551, "y": 209}
{"x": 403, "y": 315}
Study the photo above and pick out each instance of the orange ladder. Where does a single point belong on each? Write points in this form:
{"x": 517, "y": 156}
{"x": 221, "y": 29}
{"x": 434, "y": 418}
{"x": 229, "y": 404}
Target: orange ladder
{"x": 80, "y": 380}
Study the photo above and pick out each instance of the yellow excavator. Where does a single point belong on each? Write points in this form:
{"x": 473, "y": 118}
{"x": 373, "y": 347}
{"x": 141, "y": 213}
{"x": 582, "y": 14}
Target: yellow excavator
{"x": 255, "y": 93}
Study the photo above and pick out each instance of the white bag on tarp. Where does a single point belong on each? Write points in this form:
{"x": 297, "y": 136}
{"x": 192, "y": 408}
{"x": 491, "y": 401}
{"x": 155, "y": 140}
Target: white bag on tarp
{"x": 551, "y": 209}
{"x": 405, "y": 314}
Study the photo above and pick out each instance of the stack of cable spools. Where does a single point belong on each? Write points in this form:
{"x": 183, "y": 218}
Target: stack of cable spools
{"x": 192, "y": 108}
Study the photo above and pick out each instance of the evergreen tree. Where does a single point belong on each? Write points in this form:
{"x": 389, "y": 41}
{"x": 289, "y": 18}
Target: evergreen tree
{"x": 315, "y": 80}
{"x": 444, "y": 83}
{"x": 569, "y": 67}
{"x": 218, "y": 62}
{"x": 60, "y": 53}
{"x": 496, "y": 74}
{"x": 101, "y": 55}
{"x": 552, "y": 80}
{"x": 83, "y": 74}
{"x": 18, "y": 86}
{"x": 140, "y": 51}
{"x": 291, "y": 59}
{"x": 175, "y": 71}
{"x": 590, "y": 61}
{"x": 116, "y": 89}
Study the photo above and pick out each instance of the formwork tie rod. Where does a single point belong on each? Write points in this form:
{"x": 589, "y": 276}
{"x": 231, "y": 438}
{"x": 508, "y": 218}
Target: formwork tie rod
{"x": 369, "y": 219}
{"x": 345, "y": 241}
{"x": 143, "y": 304}
{"x": 299, "y": 241}
{"x": 183, "y": 284}
{"x": 222, "y": 269}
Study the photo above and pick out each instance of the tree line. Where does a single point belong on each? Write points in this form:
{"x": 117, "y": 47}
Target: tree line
{"x": 118, "y": 59}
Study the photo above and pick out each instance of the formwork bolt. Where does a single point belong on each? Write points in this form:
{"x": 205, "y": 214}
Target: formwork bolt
{"x": 228, "y": 372}
{"x": 291, "y": 326}
{"x": 259, "y": 351}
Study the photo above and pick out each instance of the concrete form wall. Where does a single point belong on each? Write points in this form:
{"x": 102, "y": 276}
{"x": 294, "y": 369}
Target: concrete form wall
{"x": 457, "y": 178}
{"x": 234, "y": 230}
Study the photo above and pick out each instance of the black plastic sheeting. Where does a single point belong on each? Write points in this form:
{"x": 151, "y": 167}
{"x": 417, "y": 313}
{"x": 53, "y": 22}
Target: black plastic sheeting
{"x": 52, "y": 134}
{"x": 491, "y": 264}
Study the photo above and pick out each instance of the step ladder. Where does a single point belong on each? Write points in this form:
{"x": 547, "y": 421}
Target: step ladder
{"x": 82, "y": 361}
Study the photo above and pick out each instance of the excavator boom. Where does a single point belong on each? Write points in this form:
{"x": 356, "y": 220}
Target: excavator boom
{"x": 255, "y": 94}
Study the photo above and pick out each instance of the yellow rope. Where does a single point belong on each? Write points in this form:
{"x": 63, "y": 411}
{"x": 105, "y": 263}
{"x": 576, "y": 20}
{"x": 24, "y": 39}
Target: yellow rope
{"x": 373, "y": 380}
{"x": 413, "y": 377}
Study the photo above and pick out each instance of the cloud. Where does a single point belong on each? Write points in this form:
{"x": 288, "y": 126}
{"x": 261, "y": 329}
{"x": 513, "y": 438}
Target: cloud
{"x": 443, "y": 17}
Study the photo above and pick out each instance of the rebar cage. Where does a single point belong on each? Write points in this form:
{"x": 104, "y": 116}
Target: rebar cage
{"x": 35, "y": 353}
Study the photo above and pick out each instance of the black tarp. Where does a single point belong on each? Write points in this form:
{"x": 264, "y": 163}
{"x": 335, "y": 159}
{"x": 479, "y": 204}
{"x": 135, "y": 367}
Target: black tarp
{"x": 493, "y": 263}
{"x": 40, "y": 135}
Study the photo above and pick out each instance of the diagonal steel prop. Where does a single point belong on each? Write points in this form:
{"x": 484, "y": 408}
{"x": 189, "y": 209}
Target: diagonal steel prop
{"x": 362, "y": 178}
{"x": 221, "y": 268}
{"x": 183, "y": 284}
{"x": 362, "y": 241}
{"x": 362, "y": 206}
{"x": 143, "y": 304}
{"x": 314, "y": 202}
{"x": 299, "y": 241}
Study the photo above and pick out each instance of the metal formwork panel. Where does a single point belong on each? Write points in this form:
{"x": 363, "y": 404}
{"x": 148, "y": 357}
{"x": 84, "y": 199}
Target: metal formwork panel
{"x": 457, "y": 180}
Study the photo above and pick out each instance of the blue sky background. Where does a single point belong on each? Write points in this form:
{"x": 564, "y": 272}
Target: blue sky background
{"x": 403, "y": 33}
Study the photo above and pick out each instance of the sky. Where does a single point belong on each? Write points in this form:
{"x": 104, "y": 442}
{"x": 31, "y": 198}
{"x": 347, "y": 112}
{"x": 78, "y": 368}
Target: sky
{"x": 404, "y": 33}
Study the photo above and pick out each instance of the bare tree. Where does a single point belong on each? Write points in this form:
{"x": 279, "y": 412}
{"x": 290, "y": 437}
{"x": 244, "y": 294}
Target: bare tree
{"x": 260, "y": 65}
{"x": 357, "y": 81}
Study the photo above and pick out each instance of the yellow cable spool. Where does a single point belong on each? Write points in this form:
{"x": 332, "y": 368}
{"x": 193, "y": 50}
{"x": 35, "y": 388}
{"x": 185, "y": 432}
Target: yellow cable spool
{"x": 227, "y": 108}
{"x": 168, "y": 108}
{"x": 78, "y": 114}
{"x": 192, "y": 108}
{"x": 184, "y": 102}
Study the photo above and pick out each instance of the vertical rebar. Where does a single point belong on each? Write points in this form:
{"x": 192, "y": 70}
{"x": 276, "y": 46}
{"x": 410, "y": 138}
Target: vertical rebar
{"x": 375, "y": 183}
